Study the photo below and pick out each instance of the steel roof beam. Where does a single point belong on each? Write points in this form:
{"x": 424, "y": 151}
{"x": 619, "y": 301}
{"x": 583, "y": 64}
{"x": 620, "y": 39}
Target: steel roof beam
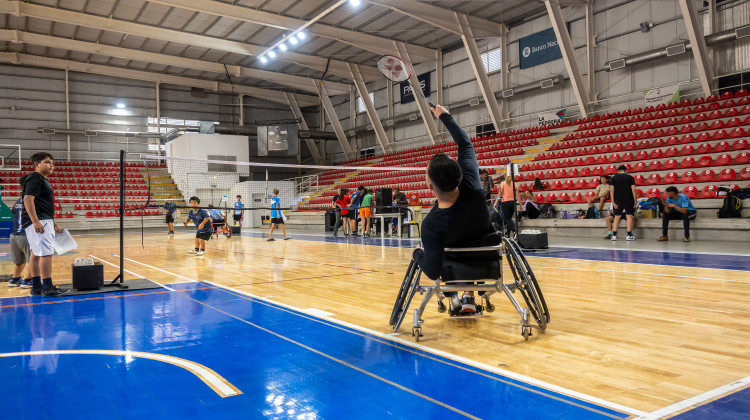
{"x": 442, "y": 18}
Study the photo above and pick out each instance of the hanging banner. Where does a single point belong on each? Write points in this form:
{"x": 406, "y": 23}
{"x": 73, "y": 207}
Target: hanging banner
{"x": 538, "y": 48}
{"x": 406, "y": 93}
{"x": 549, "y": 118}
{"x": 663, "y": 95}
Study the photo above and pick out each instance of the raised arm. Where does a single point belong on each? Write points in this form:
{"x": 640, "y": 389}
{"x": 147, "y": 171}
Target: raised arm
{"x": 467, "y": 158}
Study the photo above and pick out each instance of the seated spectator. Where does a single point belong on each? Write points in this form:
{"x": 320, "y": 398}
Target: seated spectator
{"x": 529, "y": 208}
{"x": 601, "y": 193}
{"x": 676, "y": 206}
{"x": 487, "y": 184}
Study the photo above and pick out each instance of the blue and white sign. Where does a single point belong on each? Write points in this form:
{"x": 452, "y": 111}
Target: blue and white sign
{"x": 408, "y": 96}
{"x": 538, "y": 48}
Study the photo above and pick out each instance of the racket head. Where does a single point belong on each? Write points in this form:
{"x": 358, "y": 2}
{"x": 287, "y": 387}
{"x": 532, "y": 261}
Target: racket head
{"x": 394, "y": 68}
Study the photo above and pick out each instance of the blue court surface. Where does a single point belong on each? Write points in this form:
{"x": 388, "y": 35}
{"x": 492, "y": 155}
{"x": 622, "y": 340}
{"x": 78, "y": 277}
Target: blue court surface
{"x": 201, "y": 351}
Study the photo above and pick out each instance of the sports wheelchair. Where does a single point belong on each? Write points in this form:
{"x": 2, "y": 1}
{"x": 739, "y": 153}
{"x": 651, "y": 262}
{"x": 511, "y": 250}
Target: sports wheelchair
{"x": 220, "y": 226}
{"x": 524, "y": 282}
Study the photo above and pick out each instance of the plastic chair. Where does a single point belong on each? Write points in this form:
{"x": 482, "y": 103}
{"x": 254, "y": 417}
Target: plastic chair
{"x": 687, "y": 150}
{"x": 654, "y": 166}
{"x": 577, "y": 197}
{"x": 727, "y": 174}
{"x": 723, "y": 160}
{"x": 740, "y": 144}
{"x": 691, "y": 192}
{"x": 704, "y": 161}
{"x": 744, "y": 174}
{"x": 653, "y": 179}
{"x": 653, "y": 192}
{"x": 640, "y": 180}
{"x": 707, "y": 176}
{"x": 671, "y": 178}
{"x": 741, "y": 158}
{"x": 670, "y": 164}
{"x": 709, "y": 191}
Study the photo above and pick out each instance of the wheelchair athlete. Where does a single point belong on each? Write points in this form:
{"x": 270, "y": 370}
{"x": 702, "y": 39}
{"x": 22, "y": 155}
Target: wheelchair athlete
{"x": 218, "y": 220}
{"x": 460, "y": 218}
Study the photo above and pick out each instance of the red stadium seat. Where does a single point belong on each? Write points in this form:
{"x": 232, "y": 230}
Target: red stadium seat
{"x": 720, "y": 135}
{"x": 654, "y": 166}
{"x": 703, "y": 117}
{"x": 653, "y": 179}
{"x": 590, "y": 160}
{"x": 653, "y": 193}
{"x": 602, "y": 159}
{"x": 563, "y": 197}
{"x": 707, "y": 176}
{"x": 704, "y": 161}
{"x": 613, "y": 158}
{"x": 712, "y": 98}
{"x": 539, "y": 198}
{"x": 557, "y": 185}
{"x": 727, "y": 174}
{"x": 687, "y": 138}
{"x": 577, "y": 197}
{"x": 628, "y": 156}
{"x": 687, "y": 150}
{"x": 691, "y": 192}
{"x": 740, "y": 93}
{"x": 610, "y": 170}
{"x": 703, "y": 149}
{"x": 656, "y": 154}
{"x": 642, "y": 155}
{"x": 740, "y": 144}
{"x": 744, "y": 174}
{"x": 569, "y": 185}
{"x": 572, "y": 173}
{"x": 585, "y": 172}
{"x": 670, "y": 164}
{"x": 593, "y": 183}
{"x": 671, "y": 152}
{"x": 550, "y": 197}
{"x": 737, "y": 132}
{"x": 741, "y": 158}
{"x": 723, "y": 160}
{"x": 709, "y": 191}
{"x": 671, "y": 178}
{"x": 733, "y": 122}
{"x": 581, "y": 184}
{"x": 689, "y": 177}
{"x": 598, "y": 171}
{"x": 640, "y": 180}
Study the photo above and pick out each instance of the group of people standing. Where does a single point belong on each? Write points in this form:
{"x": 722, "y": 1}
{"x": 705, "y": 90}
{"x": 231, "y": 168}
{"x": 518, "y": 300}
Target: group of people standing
{"x": 362, "y": 200}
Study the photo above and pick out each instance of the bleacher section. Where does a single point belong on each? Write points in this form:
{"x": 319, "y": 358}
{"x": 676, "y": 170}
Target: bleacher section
{"x": 695, "y": 145}
{"x": 88, "y": 193}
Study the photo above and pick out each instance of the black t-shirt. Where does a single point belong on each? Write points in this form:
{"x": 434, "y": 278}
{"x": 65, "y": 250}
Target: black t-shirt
{"x": 467, "y": 222}
{"x": 44, "y": 198}
{"x": 623, "y": 191}
{"x": 17, "y": 215}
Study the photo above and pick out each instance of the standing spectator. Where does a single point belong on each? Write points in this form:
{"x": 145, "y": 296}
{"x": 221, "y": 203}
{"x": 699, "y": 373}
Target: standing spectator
{"x": 676, "y": 206}
{"x": 340, "y": 205}
{"x": 19, "y": 245}
{"x": 601, "y": 194}
{"x": 38, "y": 220}
{"x": 170, "y": 207}
{"x": 622, "y": 192}
{"x": 239, "y": 211}
{"x": 487, "y": 184}
{"x": 277, "y": 217}
{"x": 400, "y": 202}
{"x": 356, "y": 198}
{"x": 365, "y": 210}
{"x": 506, "y": 198}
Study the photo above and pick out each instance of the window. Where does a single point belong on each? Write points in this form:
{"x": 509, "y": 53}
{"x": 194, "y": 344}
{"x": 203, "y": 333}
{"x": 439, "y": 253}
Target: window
{"x": 361, "y": 104}
{"x": 492, "y": 60}
{"x": 485, "y": 130}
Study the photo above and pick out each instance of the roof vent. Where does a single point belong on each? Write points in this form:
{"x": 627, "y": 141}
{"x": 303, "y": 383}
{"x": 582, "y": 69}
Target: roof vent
{"x": 90, "y": 133}
{"x": 473, "y": 101}
{"x": 547, "y": 83}
{"x": 507, "y": 93}
{"x": 742, "y": 32}
{"x": 675, "y": 49}
{"x": 617, "y": 64}
{"x": 412, "y": 117}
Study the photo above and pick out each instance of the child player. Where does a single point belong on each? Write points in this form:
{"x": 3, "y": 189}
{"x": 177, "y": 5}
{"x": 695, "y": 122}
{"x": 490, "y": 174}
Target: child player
{"x": 170, "y": 207}
{"x": 239, "y": 211}
{"x": 277, "y": 218}
{"x": 202, "y": 221}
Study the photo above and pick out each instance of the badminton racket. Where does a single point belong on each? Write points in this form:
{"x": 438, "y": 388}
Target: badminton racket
{"x": 395, "y": 70}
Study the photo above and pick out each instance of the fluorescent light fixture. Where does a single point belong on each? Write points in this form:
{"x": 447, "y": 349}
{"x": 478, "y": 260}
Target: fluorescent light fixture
{"x": 282, "y": 47}
{"x": 263, "y": 60}
{"x": 293, "y": 40}
{"x": 272, "y": 54}
{"x": 355, "y": 3}
{"x": 301, "y": 35}
{"x": 120, "y": 105}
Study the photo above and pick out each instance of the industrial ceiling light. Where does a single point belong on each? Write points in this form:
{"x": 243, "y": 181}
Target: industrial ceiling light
{"x": 293, "y": 40}
{"x": 120, "y": 105}
{"x": 355, "y": 3}
{"x": 263, "y": 60}
{"x": 272, "y": 54}
{"x": 282, "y": 47}
{"x": 301, "y": 35}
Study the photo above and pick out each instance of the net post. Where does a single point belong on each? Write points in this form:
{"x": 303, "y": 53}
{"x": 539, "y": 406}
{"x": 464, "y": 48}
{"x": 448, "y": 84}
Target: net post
{"x": 120, "y": 276}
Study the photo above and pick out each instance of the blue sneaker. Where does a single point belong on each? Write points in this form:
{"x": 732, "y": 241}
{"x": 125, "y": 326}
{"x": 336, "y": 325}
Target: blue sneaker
{"x": 14, "y": 282}
{"x": 26, "y": 284}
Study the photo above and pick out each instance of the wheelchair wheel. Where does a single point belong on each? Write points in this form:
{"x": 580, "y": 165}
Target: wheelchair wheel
{"x": 405, "y": 295}
{"x": 226, "y": 232}
{"x": 526, "y": 283}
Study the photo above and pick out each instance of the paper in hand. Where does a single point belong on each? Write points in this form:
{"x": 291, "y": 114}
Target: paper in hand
{"x": 64, "y": 242}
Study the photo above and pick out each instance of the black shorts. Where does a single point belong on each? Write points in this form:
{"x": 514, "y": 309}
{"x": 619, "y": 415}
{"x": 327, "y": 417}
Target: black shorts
{"x": 169, "y": 218}
{"x": 203, "y": 235}
{"x": 237, "y": 217}
{"x": 351, "y": 215}
{"x": 624, "y": 209}
{"x": 277, "y": 220}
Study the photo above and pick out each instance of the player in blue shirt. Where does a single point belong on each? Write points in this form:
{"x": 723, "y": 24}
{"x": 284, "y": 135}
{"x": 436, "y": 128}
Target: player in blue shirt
{"x": 19, "y": 244}
{"x": 356, "y": 198}
{"x": 239, "y": 211}
{"x": 170, "y": 207}
{"x": 676, "y": 206}
{"x": 277, "y": 217}
{"x": 202, "y": 221}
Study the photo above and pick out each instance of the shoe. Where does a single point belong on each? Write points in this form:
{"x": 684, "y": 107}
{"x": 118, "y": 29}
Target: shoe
{"x": 663, "y": 239}
{"x": 54, "y": 291}
{"x": 26, "y": 284}
{"x": 609, "y": 236}
{"x": 455, "y": 302}
{"x": 171, "y": 232}
{"x": 270, "y": 240}
{"x": 14, "y": 283}
{"x": 35, "y": 292}
{"x": 355, "y": 235}
{"x": 201, "y": 252}
{"x": 335, "y": 235}
{"x": 192, "y": 251}
{"x": 614, "y": 237}
{"x": 286, "y": 238}
{"x": 685, "y": 239}
{"x": 346, "y": 235}
{"x": 467, "y": 305}
{"x": 630, "y": 238}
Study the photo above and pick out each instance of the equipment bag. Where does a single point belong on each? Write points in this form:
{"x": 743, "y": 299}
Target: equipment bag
{"x": 547, "y": 211}
{"x": 592, "y": 213}
{"x": 731, "y": 208}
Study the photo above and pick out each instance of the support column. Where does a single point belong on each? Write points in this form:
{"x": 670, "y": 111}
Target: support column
{"x": 439, "y": 78}
{"x": 568, "y": 54}
{"x": 303, "y": 126}
{"x": 698, "y": 43}
{"x": 713, "y": 26}
{"x": 372, "y": 114}
{"x": 331, "y": 112}
{"x": 158, "y": 120}
{"x": 504, "y": 71}
{"x": 389, "y": 95}
{"x": 590, "y": 44}
{"x": 67, "y": 112}
{"x": 424, "y": 109}
{"x": 242, "y": 109}
{"x": 483, "y": 81}
{"x": 352, "y": 109}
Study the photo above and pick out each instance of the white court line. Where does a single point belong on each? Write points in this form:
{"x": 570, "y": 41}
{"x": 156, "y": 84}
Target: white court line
{"x": 128, "y": 271}
{"x": 391, "y": 337}
{"x": 676, "y": 251}
{"x": 696, "y": 400}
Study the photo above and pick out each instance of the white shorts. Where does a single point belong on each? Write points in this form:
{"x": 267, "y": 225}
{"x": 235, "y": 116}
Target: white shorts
{"x": 42, "y": 244}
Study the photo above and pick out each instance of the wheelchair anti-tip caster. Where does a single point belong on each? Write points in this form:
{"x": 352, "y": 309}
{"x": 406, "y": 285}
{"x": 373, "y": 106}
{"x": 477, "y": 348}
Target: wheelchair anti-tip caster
{"x": 526, "y": 332}
{"x": 416, "y": 333}
{"x": 441, "y": 307}
{"x": 490, "y": 307}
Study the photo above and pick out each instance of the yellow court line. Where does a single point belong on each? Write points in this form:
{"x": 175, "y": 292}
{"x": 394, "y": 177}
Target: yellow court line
{"x": 215, "y": 381}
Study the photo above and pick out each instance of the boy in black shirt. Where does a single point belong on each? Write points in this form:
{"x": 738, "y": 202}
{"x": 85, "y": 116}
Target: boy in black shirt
{"x": 19, "y": 245}
{"x": 623, "y": 195}
{"x": 460, "y": 218}
{"x": 170, "y": 207}
{"x": 38, "y": 220}
{"x": 202, "y": 221}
